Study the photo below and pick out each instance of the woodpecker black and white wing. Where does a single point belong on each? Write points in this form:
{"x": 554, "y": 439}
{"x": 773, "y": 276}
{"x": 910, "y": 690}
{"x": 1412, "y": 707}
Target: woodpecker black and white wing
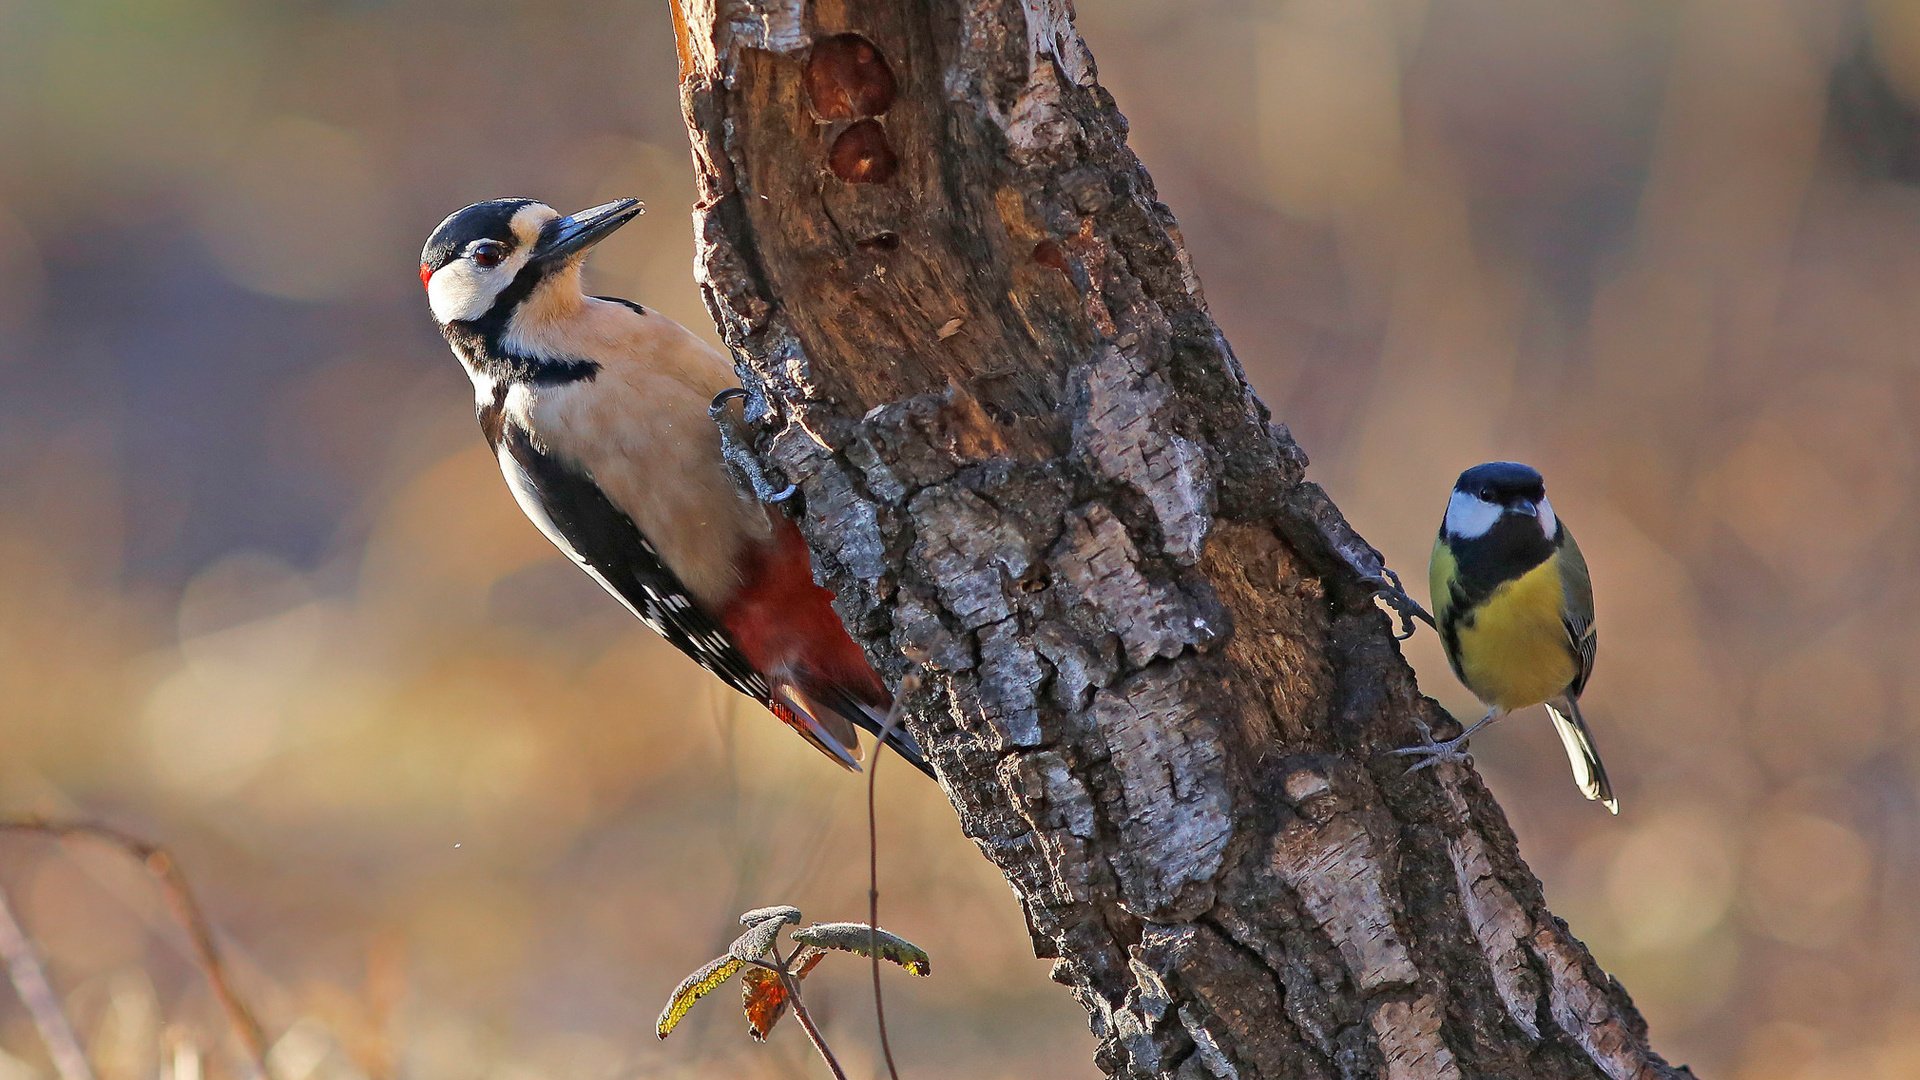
{"x": 583, "y": 522}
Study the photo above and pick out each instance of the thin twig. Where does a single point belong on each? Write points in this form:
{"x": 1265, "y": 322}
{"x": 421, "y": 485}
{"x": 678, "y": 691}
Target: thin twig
{"x": 186, "y": 912}
{"x": 806, "y": 1023}
{"x": 36, "y": 993}
{"x": 908, "y": 685}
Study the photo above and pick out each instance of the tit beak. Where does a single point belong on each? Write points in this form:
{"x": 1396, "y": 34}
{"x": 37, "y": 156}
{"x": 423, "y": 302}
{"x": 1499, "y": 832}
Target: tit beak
{"x": 1524, "y": 507}
{"x": 565, "y": 237}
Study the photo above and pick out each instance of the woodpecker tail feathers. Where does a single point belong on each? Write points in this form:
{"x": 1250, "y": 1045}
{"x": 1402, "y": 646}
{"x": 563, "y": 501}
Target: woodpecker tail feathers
{"x": 898, "y": 738}
{"x": 1578, "y": 740}
{"x": 827, "y": 731}
{"x": 826, "y": 718}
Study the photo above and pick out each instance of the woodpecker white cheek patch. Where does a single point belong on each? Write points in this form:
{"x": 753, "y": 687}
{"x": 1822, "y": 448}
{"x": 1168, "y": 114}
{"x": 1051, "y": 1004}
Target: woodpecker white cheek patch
{"x": 461, "y": 291}
{"x": 1469, "y": 516}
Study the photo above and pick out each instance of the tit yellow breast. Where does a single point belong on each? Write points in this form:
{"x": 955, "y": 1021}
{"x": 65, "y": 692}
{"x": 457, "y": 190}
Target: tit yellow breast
{"x": 1512, "y": 649}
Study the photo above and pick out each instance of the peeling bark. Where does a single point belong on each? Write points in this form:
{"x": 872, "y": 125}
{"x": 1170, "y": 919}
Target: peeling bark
{"x": 1158, "y": 689}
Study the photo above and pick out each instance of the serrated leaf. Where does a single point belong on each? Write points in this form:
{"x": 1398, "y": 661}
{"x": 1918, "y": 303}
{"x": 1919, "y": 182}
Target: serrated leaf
{"x": 763, "y": 997}
{"x": 865, "y": 941}
{"x": 757, "y": 941}
{"x": 692, "y": 989}
{"x": 786, "y": 913}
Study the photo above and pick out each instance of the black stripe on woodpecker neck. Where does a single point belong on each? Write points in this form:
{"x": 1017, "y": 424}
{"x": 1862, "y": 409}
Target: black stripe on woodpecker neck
{"x": 486, "y": 260}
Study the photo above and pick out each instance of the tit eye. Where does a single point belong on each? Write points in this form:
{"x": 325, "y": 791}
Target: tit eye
{"x": 1486, "y": 494}
{"x": 487, "y": 254}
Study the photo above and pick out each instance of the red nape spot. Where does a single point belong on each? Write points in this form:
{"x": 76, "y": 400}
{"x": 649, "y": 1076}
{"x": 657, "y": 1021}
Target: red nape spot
{"x": 782, "y": 621}
{"x": 426, "y": 275}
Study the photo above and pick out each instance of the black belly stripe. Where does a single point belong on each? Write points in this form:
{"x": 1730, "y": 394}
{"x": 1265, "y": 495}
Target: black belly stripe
{"x": 1483, "y": 563}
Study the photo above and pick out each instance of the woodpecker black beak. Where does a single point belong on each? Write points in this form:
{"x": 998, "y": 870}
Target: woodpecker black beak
{"x": 564, "y": 237}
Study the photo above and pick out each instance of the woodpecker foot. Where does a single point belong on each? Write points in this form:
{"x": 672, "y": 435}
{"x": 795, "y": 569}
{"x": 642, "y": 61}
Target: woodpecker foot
{"x": 745, "y": 463}
{"x": 1389, "y": 589}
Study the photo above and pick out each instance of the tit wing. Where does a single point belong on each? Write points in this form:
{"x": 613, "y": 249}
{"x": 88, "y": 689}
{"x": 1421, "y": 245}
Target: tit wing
{"x": 1449, "y": 600}
{"x": 1576, "y": 608}
{"x": 1441, "y": 573}
{"x": 566, "y": 505}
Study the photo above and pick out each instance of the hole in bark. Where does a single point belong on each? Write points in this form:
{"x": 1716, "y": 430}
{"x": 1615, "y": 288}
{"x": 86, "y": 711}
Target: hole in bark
{"x": 861, "y": 155}
{"x": 848, "y": 79}
{"x": 886, "y": 241}
{"x": 1048, "y": 253}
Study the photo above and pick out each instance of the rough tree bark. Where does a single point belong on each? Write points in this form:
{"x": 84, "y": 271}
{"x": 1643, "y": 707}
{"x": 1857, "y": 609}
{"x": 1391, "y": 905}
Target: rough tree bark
{"x": 1159, "y": 689}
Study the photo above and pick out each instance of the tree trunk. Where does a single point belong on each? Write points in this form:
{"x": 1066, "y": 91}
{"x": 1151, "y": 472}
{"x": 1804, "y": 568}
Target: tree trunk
{"x": 1158, "y": 689}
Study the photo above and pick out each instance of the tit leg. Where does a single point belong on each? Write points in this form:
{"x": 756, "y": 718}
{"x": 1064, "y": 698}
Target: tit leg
{"x": 1389, "y": 589}
{"x": 745, "y": 463}
{"x": 1447, "y": 750}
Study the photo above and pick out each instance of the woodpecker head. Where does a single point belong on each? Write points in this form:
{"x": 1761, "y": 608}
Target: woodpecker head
{"x": 486, "y": 261}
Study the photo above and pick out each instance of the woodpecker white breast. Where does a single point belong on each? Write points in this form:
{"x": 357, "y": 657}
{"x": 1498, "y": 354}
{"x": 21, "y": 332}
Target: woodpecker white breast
{"x": 596, "y": 410}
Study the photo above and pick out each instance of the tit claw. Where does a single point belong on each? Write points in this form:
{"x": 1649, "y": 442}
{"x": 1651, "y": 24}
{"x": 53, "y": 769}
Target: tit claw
{"x": 1394, "y": 594}
{"x": 1436, "y": 752}
{"x": 745, "y": 463}
{"x": 1367, "y": 564}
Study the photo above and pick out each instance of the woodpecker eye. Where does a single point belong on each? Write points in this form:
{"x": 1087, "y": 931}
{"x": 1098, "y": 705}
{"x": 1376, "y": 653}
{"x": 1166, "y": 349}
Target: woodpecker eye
{"x": 487, "y": 254}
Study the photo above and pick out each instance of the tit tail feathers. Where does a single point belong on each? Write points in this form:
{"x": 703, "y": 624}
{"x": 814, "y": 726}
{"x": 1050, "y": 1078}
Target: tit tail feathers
{"x": 1578, "y": 740}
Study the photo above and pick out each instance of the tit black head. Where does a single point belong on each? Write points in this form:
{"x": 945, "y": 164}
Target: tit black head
{"x": 485, "y": 259}
{"x": 1487, "y": 495}
{"x": 1504, "y": 483}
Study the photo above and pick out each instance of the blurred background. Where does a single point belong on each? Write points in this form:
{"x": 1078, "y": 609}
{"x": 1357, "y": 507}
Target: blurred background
{"x": 268, "y": 601}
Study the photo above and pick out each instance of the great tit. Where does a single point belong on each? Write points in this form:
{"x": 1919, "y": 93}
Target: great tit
{"x": 1514, "y": 605}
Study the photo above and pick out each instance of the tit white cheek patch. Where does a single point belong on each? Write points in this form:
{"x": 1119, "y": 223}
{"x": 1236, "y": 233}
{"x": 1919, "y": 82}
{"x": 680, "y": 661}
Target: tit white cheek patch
{"x": 1469, "y": 516}
{"x": 1548, "y": 523}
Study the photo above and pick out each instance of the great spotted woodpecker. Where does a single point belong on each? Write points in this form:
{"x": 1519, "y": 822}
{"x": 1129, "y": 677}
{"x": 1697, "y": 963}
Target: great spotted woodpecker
{"x": 597, "y": 411}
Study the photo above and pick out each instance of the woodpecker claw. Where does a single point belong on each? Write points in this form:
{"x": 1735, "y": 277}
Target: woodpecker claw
{"x": 746, "y": 464}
